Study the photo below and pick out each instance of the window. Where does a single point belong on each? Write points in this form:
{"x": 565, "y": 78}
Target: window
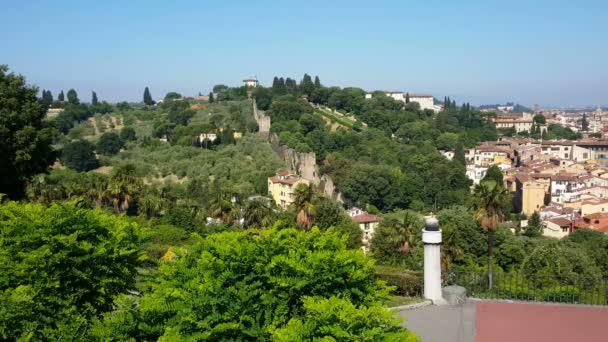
{"x": 596, "y": 221}
{"x": 565, "y": 229}
{"x": 566, "y": 155}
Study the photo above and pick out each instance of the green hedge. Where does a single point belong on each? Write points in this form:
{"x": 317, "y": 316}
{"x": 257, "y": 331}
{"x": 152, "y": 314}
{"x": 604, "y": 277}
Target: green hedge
{"x": 406, "y": 283}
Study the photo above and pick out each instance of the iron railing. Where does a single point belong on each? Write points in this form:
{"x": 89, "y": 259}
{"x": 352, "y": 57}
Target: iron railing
{"x": 579, "y": 289}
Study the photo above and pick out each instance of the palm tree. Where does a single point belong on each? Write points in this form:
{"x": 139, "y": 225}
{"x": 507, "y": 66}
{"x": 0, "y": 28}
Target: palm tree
{"x": 123, "y": 186}
{"x": 302, "y": 202}
{"x": 97, "y": 190}
{"x": 489, "y": 200}
{"x": 151, "y": 202}
{"x": 258, "y": 213}
{"x": 223, "y": 209}
{"x": 404, "y": 225}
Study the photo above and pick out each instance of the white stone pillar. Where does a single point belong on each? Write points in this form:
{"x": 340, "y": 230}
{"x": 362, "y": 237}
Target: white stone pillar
{"x": 431, "y": 237}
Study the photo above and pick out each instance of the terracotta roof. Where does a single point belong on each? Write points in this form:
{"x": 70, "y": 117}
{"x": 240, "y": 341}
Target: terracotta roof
{"x": 366, "y": 218}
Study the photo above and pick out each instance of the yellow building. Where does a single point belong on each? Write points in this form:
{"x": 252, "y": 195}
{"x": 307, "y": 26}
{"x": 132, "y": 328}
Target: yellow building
{"x": 282, "y": 186}
{"x": 530, "y": 194}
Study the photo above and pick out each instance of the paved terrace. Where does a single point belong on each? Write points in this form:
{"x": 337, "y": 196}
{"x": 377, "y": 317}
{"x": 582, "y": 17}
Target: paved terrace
{"x": 489, "y": 321}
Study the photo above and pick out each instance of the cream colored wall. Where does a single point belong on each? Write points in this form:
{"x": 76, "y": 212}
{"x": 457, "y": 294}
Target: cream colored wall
{"x": 282, "y": 194}
{"x": 553, "y": 230}
{"x": 533, "y": 197}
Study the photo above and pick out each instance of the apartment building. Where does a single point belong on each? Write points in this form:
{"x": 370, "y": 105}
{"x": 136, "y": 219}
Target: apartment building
{"x": 282, "y": 186}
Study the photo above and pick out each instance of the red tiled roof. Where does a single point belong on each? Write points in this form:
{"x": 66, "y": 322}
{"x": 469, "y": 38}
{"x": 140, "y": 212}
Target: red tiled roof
{"x": 366, "y": 218}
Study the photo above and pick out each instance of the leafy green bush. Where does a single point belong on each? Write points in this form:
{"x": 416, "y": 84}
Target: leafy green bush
{"x": 245, "y": 285}
{"x": 59, "y": 267}
{"x": 406, "y": 283}
{"x": 336, "y": 319}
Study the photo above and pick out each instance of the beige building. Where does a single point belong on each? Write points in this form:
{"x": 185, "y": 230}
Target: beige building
{"x": 282, "y": 187}
{"x": 368, "y": 224}
{"x": 251, "y": 82}
{"x": 557, "y": 227}
{"x": 530, "y": 194}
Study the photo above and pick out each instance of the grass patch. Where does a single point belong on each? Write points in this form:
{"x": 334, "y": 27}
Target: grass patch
{"x": 403, "y": 300}
{"x": 334, "y": 118}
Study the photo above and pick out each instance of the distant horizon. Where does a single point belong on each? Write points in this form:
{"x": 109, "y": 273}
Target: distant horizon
{"x": 549, "y": 53}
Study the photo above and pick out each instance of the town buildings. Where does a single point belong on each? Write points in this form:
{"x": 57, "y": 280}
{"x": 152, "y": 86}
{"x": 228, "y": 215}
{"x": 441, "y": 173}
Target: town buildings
{"x": 282, "y": 186}
{"x": 562, "y": 180}
{"x": 368, "y": 224}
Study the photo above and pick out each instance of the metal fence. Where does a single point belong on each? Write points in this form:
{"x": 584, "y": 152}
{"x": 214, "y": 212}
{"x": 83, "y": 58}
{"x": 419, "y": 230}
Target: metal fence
{"x": 590, "y": 290}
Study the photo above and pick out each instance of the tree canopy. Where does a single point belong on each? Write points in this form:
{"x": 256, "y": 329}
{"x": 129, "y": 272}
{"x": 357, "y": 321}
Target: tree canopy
{"x": 26, "y": 139}
{"x": 61, "y": 266}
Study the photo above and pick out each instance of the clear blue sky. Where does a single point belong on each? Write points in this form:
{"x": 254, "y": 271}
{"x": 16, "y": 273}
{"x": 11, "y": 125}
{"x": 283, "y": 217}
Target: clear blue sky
{"x": 546, "y": 52}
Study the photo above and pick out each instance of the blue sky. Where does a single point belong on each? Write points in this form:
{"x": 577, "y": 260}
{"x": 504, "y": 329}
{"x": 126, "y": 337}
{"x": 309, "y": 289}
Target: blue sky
{"x": 545, "y": 52}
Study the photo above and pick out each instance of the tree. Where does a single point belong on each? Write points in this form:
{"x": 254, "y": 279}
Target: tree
{"x": 317, "y": 82}
{"x": 109, "y": 144}
{"x": 94, "y": 100}
{"x": 211, "y": 99}
{"x": 494, "y": 173}
{"x": 61, "y": 266}
{"x": 123, "y": 186}
{"x": 306, "y": 85}
{"x": 173, "y": 96}
{"x": 26, "y": 139}
{"x": 242, "y": 286}
{"x": 148, "y": 101}
{"x": 540, "y": 119}
{"x": 584, "y": 123}
{"x": 535, "y": 226}
{"x": 218, "y": 88}
{"x": 394, "y": 236}
{"x": 330, "y": 214}
{"x": 302, "y": 203}
{"x": 459, "y": 155}
{"x": 73, "y": 97}
{"x": 489, "y": 198}
{"x": 47, "y": 97}
{"x": 79, "y": 155}
{"x": 337, "y": 319}
{"x": 258, "y": 213}
{"x": 407, "y": 98}
{"x": 61, "y": 97}
{"x": 128, "y": 134}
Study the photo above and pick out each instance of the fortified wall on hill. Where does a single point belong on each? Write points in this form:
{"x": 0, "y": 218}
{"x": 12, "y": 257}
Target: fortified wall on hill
{"x": 303, "y": 164}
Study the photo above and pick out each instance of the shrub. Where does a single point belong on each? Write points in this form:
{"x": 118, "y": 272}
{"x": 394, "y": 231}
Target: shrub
{"x": 406, "y": 283}
{"x": 79, "y": 155}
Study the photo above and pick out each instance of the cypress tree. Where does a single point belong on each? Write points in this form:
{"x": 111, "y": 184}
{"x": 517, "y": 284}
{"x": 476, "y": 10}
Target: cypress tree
{"x": 211, "y": 99}
{"x": 49, "y": 96}
{"x": 147, "y": 97}
{"x": 61, "y": 97}
{"x": 307, "y": 86}
{"x": 459, "y": 154}
{"x": 275, "y": 85}
{"x": 281, "y": 87}
{"x": 94, "y": 100}
{"x": 407, "y": 97}
{"x": 317, "y": 82}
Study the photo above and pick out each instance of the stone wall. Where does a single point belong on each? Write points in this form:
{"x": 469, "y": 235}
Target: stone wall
{"x": 303, "y": 164}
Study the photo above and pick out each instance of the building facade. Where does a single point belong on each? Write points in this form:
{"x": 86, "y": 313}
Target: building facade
{"x": 282, "y": 186}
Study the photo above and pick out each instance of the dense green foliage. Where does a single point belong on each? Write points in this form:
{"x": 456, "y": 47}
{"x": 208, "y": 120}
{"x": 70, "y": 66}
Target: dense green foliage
{"x": 60, "y": 267}
{"x": 25, "y": 147}
{"x": 337, "y": 319}
{"x": 79, "y": 155}
{"x": 254, "y": 282}
{"x": 109, "y": 144}
{"x": 393, "y": 164}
